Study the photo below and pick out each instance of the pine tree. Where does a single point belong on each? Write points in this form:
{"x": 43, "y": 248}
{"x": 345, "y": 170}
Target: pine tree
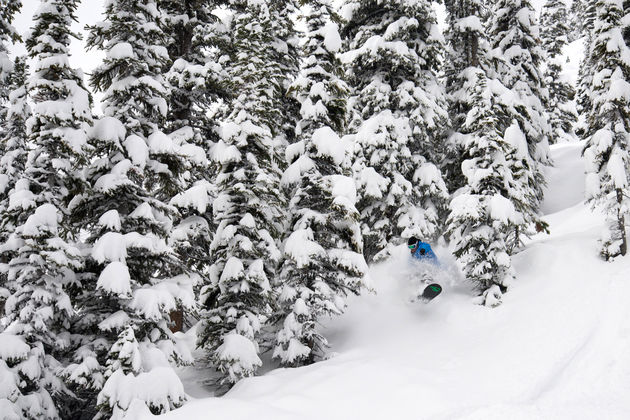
{"x": 12, "y": 128}
{"x": 399, "y": 117}
{"x": 285, "y": 52}
{"x": 517, "y": 58}
{"x": 12, "y": 165}
{"x": 194, "y": 76}
{"x": 282, "y": 56}
{"x": 482, "y": 213}
{"x": 489, "y": 151}
{"x": 196, "y": 82}
{"x": 42, "y": 270}
{"x": 125, "y": 365}
{"x": 574, "y": 22}
{"x": 626, "y": 27}
{"x": 322, "y": 260}
{"x": 583, "y": 100}
{"x": 250, "y": 204}
{"x": 135, "y": 279}
{"x": 8, "y": 35}
{"x": 584, "y": 16}
{"x": 555, "y": 28}
{"x": 23, "y": 396}
{"x": 608, "y": 142}
{"x": 467, "y": 48}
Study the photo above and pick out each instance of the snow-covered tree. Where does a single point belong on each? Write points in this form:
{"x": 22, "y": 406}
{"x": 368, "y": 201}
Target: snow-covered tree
{"x": 13, "y": 114}
{"x": 22, "y": 394}
{"x": 323, "y": 260}
{"x": 194, "y": 76}
{"x": 491, "y": 152}
{"x": 319, "y": 88}
{"x": 583, "y": 100}
{"x": 554, "y": 35}
{"x": 581, "y": 18}
{"x": 626, "y": 26}
{"x": 43, "y": 268}
{"x": 517, "y": 57}
{"x": 8, "y": 35}
{"x": 282, "y": 59}
{"x": 607, "y": 150}
{"x": 584, "y": 17}
{"x": 12, "y": 165}
{"x": 135, "y": 278}
{"x": 285, "y": 53}
{"x": 482, "y": 213}
{"x": 195, "y": 81}
{"x": 155, "y": 392}
{"x": 14, "y": 130}
{"x": 467, "y": 44}
{"x": 250, "y": 204}
{"x": 399, "y": 119}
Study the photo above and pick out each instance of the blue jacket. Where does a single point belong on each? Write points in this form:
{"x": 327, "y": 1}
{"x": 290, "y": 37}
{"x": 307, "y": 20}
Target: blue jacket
{"x": 429, "y": 255}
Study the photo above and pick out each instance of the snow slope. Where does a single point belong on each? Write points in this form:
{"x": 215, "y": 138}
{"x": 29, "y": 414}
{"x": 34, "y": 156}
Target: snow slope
{"x": 556, "y": 349}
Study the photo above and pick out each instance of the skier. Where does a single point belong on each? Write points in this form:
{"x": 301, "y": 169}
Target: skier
{"x": 422, "y": 252}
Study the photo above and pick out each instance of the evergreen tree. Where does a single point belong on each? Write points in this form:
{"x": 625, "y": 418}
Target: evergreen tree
{"x": 194, "y": 77}
{"x": 125, "y": 364}
{"x": 319, "y": 88}
{"x": 42, "y": 270}
{"x": 482, "y": 213}
{"x": 12, "y": 167}
{"x": 517, "y": 58}
{"x": 489, "y": 152}
{"x": 135, "y": 279}
{"x": 250, "y": 204}
{"x": 585, "y": 18}
{"x": 23, "y": 394}
{"x": 195, "y": 82}
{"x": 575, "y": 25}
{"x": 14, "y": 130}
{"x": 285, "y": 53}
{"x": 608, "y": 142}
{"x": 626, "y": 26}
{"x": 8, "y": 35}
{"x": 582, "y": 18}
{"x": 562, "y": 115}
{"x": 399, "y": 119}
{"x": 322, "y": 261}
{"x": 467, "y": 48}
{"x": 583, "y": 99}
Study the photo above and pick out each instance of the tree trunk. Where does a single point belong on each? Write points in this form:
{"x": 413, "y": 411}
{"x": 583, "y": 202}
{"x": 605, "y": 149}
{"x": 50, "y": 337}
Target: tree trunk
{"x": 177, "y": 320}
{"x": 621, "y": 224}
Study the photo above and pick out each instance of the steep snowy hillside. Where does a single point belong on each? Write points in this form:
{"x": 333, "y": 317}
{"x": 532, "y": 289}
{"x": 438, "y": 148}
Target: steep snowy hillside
{"x": 556, "y": 349}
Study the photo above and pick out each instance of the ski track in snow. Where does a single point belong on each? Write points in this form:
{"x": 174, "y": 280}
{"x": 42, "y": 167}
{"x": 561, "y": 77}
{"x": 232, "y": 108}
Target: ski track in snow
{"x": 556, "y": 349}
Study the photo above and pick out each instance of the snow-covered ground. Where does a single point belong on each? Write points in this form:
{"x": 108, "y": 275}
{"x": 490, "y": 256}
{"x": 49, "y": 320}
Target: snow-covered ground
{"x": 556, "y": 349}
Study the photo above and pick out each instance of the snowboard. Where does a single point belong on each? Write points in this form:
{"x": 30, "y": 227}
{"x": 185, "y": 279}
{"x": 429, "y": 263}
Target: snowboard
{"x": 430, "y": 292}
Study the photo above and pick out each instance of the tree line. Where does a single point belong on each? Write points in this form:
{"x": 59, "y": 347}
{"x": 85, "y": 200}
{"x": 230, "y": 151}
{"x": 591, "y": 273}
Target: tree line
{"x": 246, "y": 170}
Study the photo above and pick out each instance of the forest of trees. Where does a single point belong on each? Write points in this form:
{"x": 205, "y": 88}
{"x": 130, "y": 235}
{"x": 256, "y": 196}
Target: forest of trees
{"x": 248, "y": 165}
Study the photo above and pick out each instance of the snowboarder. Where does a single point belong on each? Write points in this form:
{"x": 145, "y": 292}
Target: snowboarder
{"x": 422, "y": 252}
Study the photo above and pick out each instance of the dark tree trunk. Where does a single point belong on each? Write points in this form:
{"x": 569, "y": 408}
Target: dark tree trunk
{"x": 177, "y": 320}
{"x": 621, "y": 224}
